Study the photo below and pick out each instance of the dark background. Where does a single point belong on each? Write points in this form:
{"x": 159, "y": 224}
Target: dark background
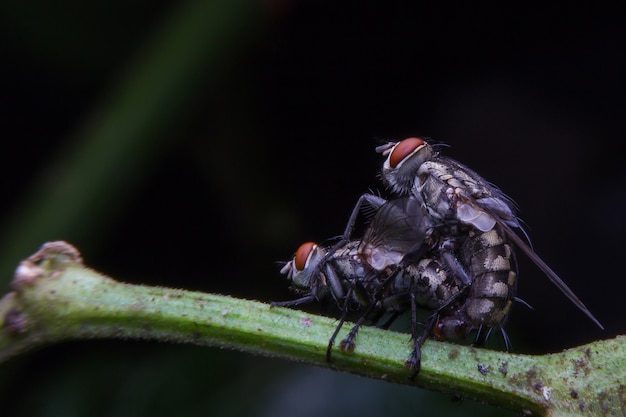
{"x": 268, "y": 142}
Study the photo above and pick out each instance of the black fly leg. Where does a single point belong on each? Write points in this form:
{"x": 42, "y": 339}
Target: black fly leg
{"x": 347, "y": 344}
{"x": 414, "y": 362}
{"x": 448, "y": 256}
{"x": 373, "y": 200}
{"x": 333, "y": 337}
{"x": 306, "y": 299}
{"x": 415, "y": 359}
{"x": 342, "y": 320}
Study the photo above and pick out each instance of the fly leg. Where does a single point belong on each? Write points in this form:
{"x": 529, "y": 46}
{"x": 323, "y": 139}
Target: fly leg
{"x": 342, "y": 320}
{"x": 373, "y": 200}
{"x": 415, "y": 359}
{"x": 306, "y": 299}
{"x": 414, "y": 362}
{"x": 447, "y": 252}
{"x": 347, "y": 344}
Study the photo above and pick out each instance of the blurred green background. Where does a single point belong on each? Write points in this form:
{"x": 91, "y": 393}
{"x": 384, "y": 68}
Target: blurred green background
{"x": 195, "y": 144}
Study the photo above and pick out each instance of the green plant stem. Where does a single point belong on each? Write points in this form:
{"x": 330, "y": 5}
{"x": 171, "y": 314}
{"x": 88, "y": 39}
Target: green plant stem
{"x": 55, "y": 298}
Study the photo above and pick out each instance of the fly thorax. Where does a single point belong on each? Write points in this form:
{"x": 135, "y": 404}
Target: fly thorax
{"x": 345, "y": 266}
{"x": 451, "y": 193}
{"x": 357, "y": 268}
{"x": 435, "y": 191}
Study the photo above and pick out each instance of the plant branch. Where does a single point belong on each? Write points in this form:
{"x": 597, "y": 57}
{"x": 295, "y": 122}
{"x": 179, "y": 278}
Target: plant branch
{"x": 55, "y": 298}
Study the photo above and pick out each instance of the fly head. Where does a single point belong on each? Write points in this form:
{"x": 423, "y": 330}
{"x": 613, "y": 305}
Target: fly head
{"x": 305, "y": 269}
{"x": 403, "y": 160}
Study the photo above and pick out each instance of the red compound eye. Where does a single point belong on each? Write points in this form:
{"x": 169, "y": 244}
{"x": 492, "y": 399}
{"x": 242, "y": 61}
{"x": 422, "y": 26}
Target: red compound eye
{"x": 302, "y": 254}
{"x": 403, "y": 149}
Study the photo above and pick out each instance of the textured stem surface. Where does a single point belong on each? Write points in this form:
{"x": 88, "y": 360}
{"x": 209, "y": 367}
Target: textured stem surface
{"x": 55, "y": 298}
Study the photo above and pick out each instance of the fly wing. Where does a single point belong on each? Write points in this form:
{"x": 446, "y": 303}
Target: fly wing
{"x": 478, "y": 196}
{"x": 556, "y": 280}
{"x": 398, "y": 227}
{"x": 484, "y": 204}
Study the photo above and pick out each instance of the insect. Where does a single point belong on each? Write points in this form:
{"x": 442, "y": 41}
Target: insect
{"x": 490, "y": 261}
{"x": 317, "y": 271}
{"x": 455, "y": 196}
{"x": 481, "y": 304}
{"x": 386, "y": 271}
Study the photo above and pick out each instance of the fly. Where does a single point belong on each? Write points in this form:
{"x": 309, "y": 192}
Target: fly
{"x": 454, "y": 195}
{"x": 483, "y": 304}
{"x": 384, "y": 272}
{"x": 388, "y": 270}
{"x": 317, "y": 271}
{"x": 490, "y": 261}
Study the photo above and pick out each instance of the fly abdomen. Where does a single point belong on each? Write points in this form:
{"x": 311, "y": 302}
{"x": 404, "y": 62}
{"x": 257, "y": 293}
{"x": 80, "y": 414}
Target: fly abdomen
{"x": 433, "y": 285}
{"x": 489, "y": 303}
{"x": 490, "y": 261}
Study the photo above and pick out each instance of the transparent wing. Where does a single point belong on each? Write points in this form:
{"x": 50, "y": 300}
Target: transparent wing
{"x": 556, "y": 280}
{"x": 398, "y": 227}
{"x": 501, "y": 208}
{"x": 481, "y": 194}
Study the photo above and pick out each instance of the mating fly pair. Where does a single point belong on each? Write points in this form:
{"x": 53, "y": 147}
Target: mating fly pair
{"x": 444, "y": 244}
{"x": 388, "y": 270}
